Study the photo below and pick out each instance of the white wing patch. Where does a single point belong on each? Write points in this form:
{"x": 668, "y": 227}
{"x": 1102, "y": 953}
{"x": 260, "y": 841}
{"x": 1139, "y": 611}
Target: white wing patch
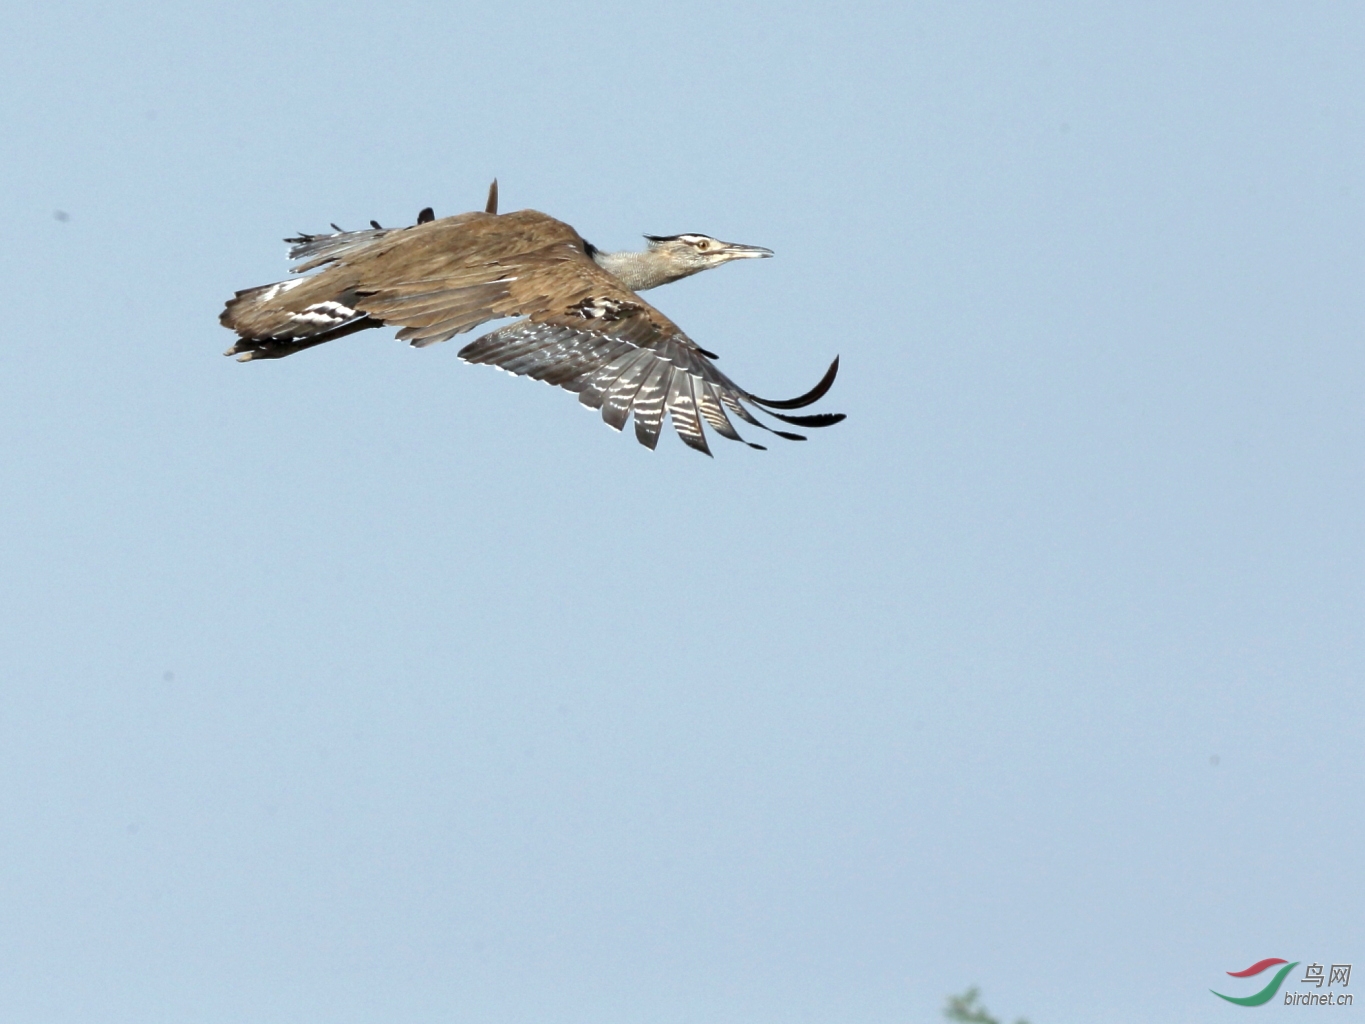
{"x": 603, "y": 308}
{"x": 324, "y": 314}
{"x": 279, "y": 289}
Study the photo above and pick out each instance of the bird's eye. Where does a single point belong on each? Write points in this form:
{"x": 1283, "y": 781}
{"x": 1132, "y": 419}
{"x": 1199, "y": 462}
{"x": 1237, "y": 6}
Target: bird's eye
{"x": 703, "y": 245}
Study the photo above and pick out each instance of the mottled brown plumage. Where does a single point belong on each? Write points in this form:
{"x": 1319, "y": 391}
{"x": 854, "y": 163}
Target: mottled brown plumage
{"x": 583, "y": 329}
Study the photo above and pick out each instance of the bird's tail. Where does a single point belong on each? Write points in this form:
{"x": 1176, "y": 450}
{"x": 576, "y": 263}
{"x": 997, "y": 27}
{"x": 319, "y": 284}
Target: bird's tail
{"x": 272, "y": 323}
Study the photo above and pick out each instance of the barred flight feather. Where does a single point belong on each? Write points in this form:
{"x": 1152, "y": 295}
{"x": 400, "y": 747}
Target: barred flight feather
{"x": 608, "y": 384}
{"x": 682, "y": 410}
{"x": 621, "y": 395}
{"x": 648, "y": 406}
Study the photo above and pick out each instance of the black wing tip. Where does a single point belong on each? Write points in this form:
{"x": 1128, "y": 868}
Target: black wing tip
{"x": 492, "y": 205}
{"x": 809, "y": 398}
{"x": 426, "y": 216}
{"x": 820, "y": 419}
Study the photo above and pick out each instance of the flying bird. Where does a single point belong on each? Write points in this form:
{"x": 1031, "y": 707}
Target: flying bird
{"x": 584, "y": 326}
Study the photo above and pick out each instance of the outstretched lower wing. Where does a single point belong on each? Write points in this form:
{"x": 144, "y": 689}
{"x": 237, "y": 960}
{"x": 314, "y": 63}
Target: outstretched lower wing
{"x": 623, "y": 362}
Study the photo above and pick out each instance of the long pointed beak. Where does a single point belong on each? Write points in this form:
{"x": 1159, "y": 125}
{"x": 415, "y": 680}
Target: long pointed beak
{"x": 735, "y": 251}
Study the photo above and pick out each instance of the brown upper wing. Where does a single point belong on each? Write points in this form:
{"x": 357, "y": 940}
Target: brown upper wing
{"x": 435, "y": 279}
{"x": 474, "y": 268}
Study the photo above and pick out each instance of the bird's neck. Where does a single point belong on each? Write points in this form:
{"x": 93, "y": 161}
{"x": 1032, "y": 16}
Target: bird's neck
{"x": 640, "y": 271}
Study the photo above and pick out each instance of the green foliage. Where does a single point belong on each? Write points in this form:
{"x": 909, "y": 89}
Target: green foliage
{"x": 967, "y": 1010}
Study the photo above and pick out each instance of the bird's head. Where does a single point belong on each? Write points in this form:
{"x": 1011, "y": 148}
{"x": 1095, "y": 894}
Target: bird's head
{"x": 693, "y": 253}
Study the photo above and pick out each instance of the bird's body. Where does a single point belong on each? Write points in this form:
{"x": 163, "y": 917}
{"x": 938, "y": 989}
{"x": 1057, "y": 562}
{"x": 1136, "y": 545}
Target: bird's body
{"x": 585, "y": 328}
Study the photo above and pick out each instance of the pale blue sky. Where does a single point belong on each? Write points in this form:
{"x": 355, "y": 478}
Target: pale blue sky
{"x": 370, "y": 686}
